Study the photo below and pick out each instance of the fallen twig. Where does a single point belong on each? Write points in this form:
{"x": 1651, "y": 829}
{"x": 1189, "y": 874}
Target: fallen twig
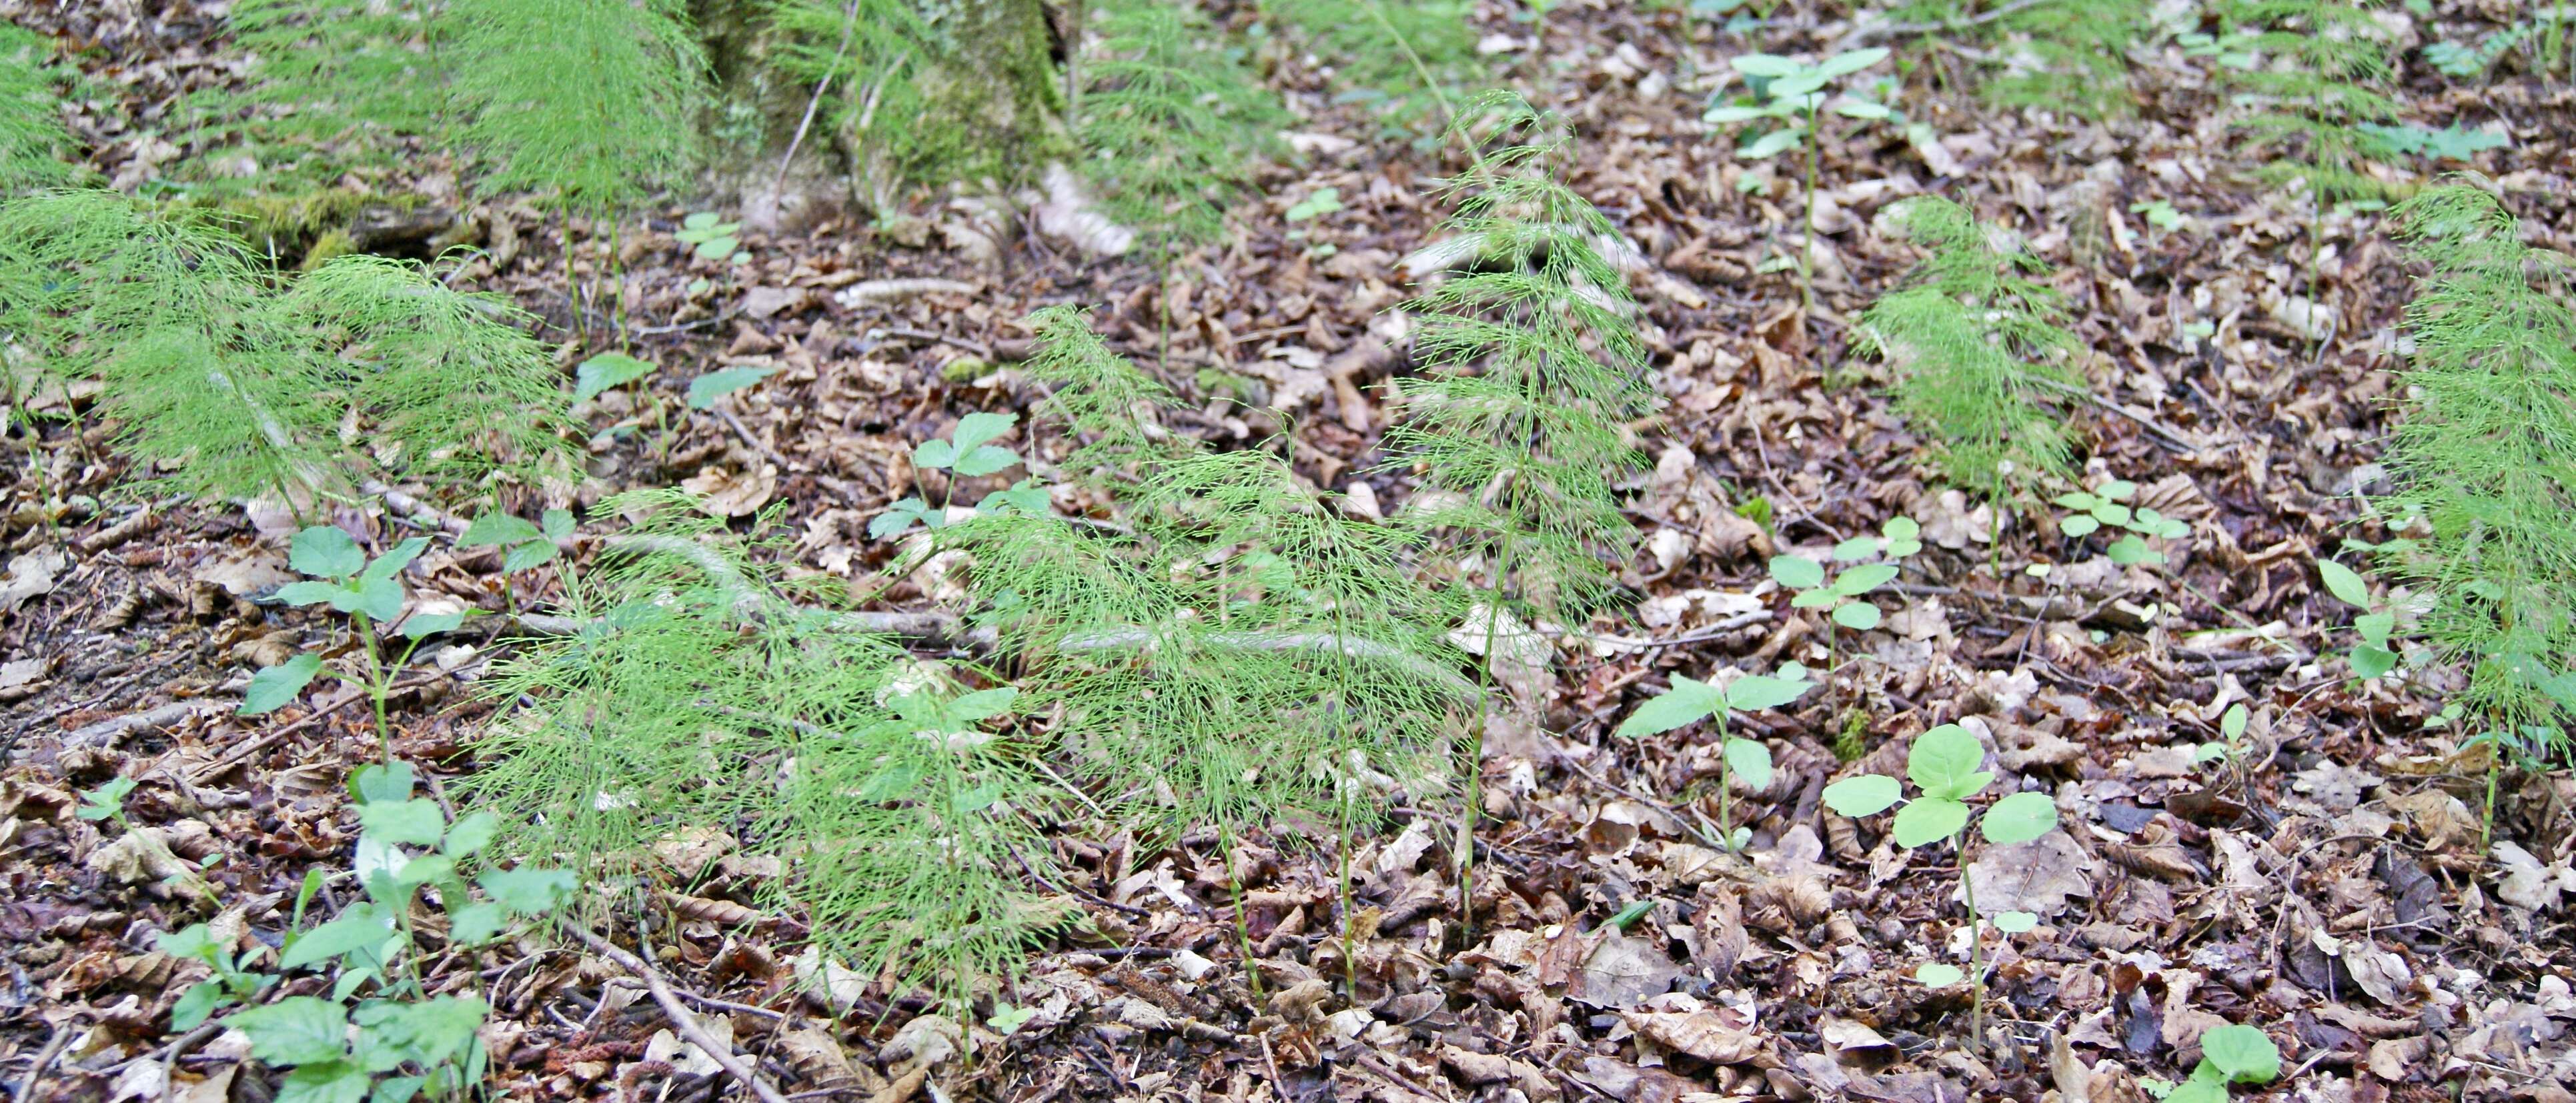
{"x": 681, "y": 1021}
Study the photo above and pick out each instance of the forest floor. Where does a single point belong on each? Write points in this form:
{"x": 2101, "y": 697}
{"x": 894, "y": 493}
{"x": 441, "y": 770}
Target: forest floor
{"x": 2332, "y": 890}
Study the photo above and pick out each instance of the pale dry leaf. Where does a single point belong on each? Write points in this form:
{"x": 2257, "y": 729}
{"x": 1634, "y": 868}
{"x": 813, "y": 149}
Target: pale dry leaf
{"x": 2527, "y": 884}
{"x": 729, "y": 495}
{"x": 1678, "y": 1022}
{"x": 1622, "y": 971}
{"x": 2036, "y": 876}
{"x": 30, "y": 576}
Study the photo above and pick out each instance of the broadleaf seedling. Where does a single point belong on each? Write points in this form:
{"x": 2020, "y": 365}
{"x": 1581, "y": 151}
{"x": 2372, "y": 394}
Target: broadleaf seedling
{"x": 370, "y": 592}
{"x": 1690, "y": 700}
{"x": 2106, "y": 506}
{"x": 1944, "y": 766}
{"x": 713, "y": 237}
{"x": 1793, "y": 92}
{"x": 2230, "y": 1054}
{"x": 966, "y": 453}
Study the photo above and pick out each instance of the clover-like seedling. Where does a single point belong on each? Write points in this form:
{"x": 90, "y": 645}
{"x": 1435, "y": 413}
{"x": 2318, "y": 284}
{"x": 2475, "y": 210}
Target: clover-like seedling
{"x": 343, "y": 578}
{"x": 1321, "y": 201}
{"x": 1792, "y": 92}
{"x": 523, "y": 545}
{"x": 1944, "y": 766}
{"x": 1840, "y": 596}
{"x": 606, "y": 372}
{"x": 2106, "y": 506}
{"x": 2373, "y": 657}
{"x": 2230, "y": 1054}
{"x": 2231, "y": 733}
{"x": 714, "y": 238}
{"x": 966, "y": 454}
{"x": 1690, "y": 701}
{"x": 107, "y": 802}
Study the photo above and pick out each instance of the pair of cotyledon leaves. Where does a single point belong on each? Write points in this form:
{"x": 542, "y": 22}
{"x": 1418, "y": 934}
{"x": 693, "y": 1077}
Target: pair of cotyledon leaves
{"x": 1691, "y": 700}
{"x": 1943, "y": 765}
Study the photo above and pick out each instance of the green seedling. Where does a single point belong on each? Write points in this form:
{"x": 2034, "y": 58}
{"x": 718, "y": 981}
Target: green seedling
{"x": 1322, "y": 201}
{"x": 2374, "y": 656}
{"x": 2228, "y": 749}
{"x": 399, "y": 1041}
{"x": 371, "y": 594}
{"x": 2451, "y": 143}
{"x": 1792, "y": 93}
{"x": 233, "y": 982}
{"x": 1943, "y": 765}
{"x": 714, "y": 238}
{"x": 523, "y": 545}
{"x": 107, "y": 802}
{"x": 2229, "y": 1055}
{"x": 2159, "y": 214}
{"x": 606, "y": 372}
{"x": 2106, "y": 506}
{"x": 1689, "y": 701}
{"x": 1843, "y": 597}
{"x": 966, "y": 453}
{"x": 706, "y": 389}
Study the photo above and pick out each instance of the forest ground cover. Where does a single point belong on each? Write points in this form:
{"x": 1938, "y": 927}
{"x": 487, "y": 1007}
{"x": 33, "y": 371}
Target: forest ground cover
{"x": 2330, "y": 880}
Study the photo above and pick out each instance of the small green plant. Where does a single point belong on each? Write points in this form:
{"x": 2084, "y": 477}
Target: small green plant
{"x": 522, "y": 545}
{"x": 1400, "y": 57}
{"x": 2474, "y": 459}
{"x": 1689, "y": 701}
{"x": 1793, "y": 92}
{"x": 607, "y": 372}
{"x": 1322, "y": 201}
{"x": 712, "y": 238}
{"x": 1531, "y": 371}
{"x": 396, "y": 1040}
{"x": 706, "y": 389}
{"x": 2375, "y": 655}
{"x": 2055, "y": 55}
{"x": 343, "y": 578}
{"x": 2316, "y": 97}
{"x": 1171, "y": 122}
{"x": 2229, "y": 1055}
{"x": 2228, "y": 749}
{"x": 2106, "y": 505}
{"x": 1982, "y": 353}
{"x": 107, "y": 802}
{"x": 1944, "y": 766}
{"x": 35, "y": 148}
{"x": 966, "y": 453}
{"x": 234, "y": 981}
{"x": 2451, "y": 143}
{"x": 236, "y": 386}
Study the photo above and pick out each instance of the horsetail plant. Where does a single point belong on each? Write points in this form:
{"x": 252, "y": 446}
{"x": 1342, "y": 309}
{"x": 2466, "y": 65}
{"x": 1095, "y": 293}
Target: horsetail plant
{"x": 2477, "y": 460}
{"x": 34, "y": 144}
{"x": 2318, "y": 96}
{"x": 1981, "y": 352}
{"x": 1531, "y": 370}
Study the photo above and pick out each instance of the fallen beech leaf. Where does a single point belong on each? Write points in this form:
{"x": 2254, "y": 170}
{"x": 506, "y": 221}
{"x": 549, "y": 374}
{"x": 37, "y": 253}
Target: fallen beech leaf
{"x": 2036, "y": 876}
{"x": 1696, "y": 1030}
{"x": 1622, "y": 971}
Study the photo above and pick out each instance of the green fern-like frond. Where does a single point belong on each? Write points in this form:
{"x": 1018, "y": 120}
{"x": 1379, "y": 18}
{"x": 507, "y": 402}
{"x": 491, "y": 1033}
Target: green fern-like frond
{"x": 35, "y": 148}
{"x": 1981, "y": 350}
{"x": 2486, "y": 456}
{"x": 452, "y": 385}
{"x": 171, "y": 313}
{"x": 1531, "y": 371}
{"x": 2314, "y": 90}
{"x": 592, "y": 100}
{"x": 700, "y": 699}
{"x": 2069, "y": 55}
{"x": 1171, "y": 122}
{"x": 1104, "y": 401}
{"x": 1402, "y": 56}
{"x": 336, "y": 87}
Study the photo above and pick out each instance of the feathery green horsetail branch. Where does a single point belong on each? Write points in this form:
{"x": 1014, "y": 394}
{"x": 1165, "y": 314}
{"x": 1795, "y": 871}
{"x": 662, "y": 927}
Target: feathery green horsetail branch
{"x": 1531, "y": 372}
{"x": 34, "y": 144}
{"x": 2484, "y": 458}
{"x": 337, "y": 87}
{"x": 1980, "y": 349}
{"x": 1401, "y": 55}
{"x": 2315, "y": 90}
{"x": 1170, "y": 122}
{"x": 235, "y": 386}
{"x": 2057, "y": 55}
